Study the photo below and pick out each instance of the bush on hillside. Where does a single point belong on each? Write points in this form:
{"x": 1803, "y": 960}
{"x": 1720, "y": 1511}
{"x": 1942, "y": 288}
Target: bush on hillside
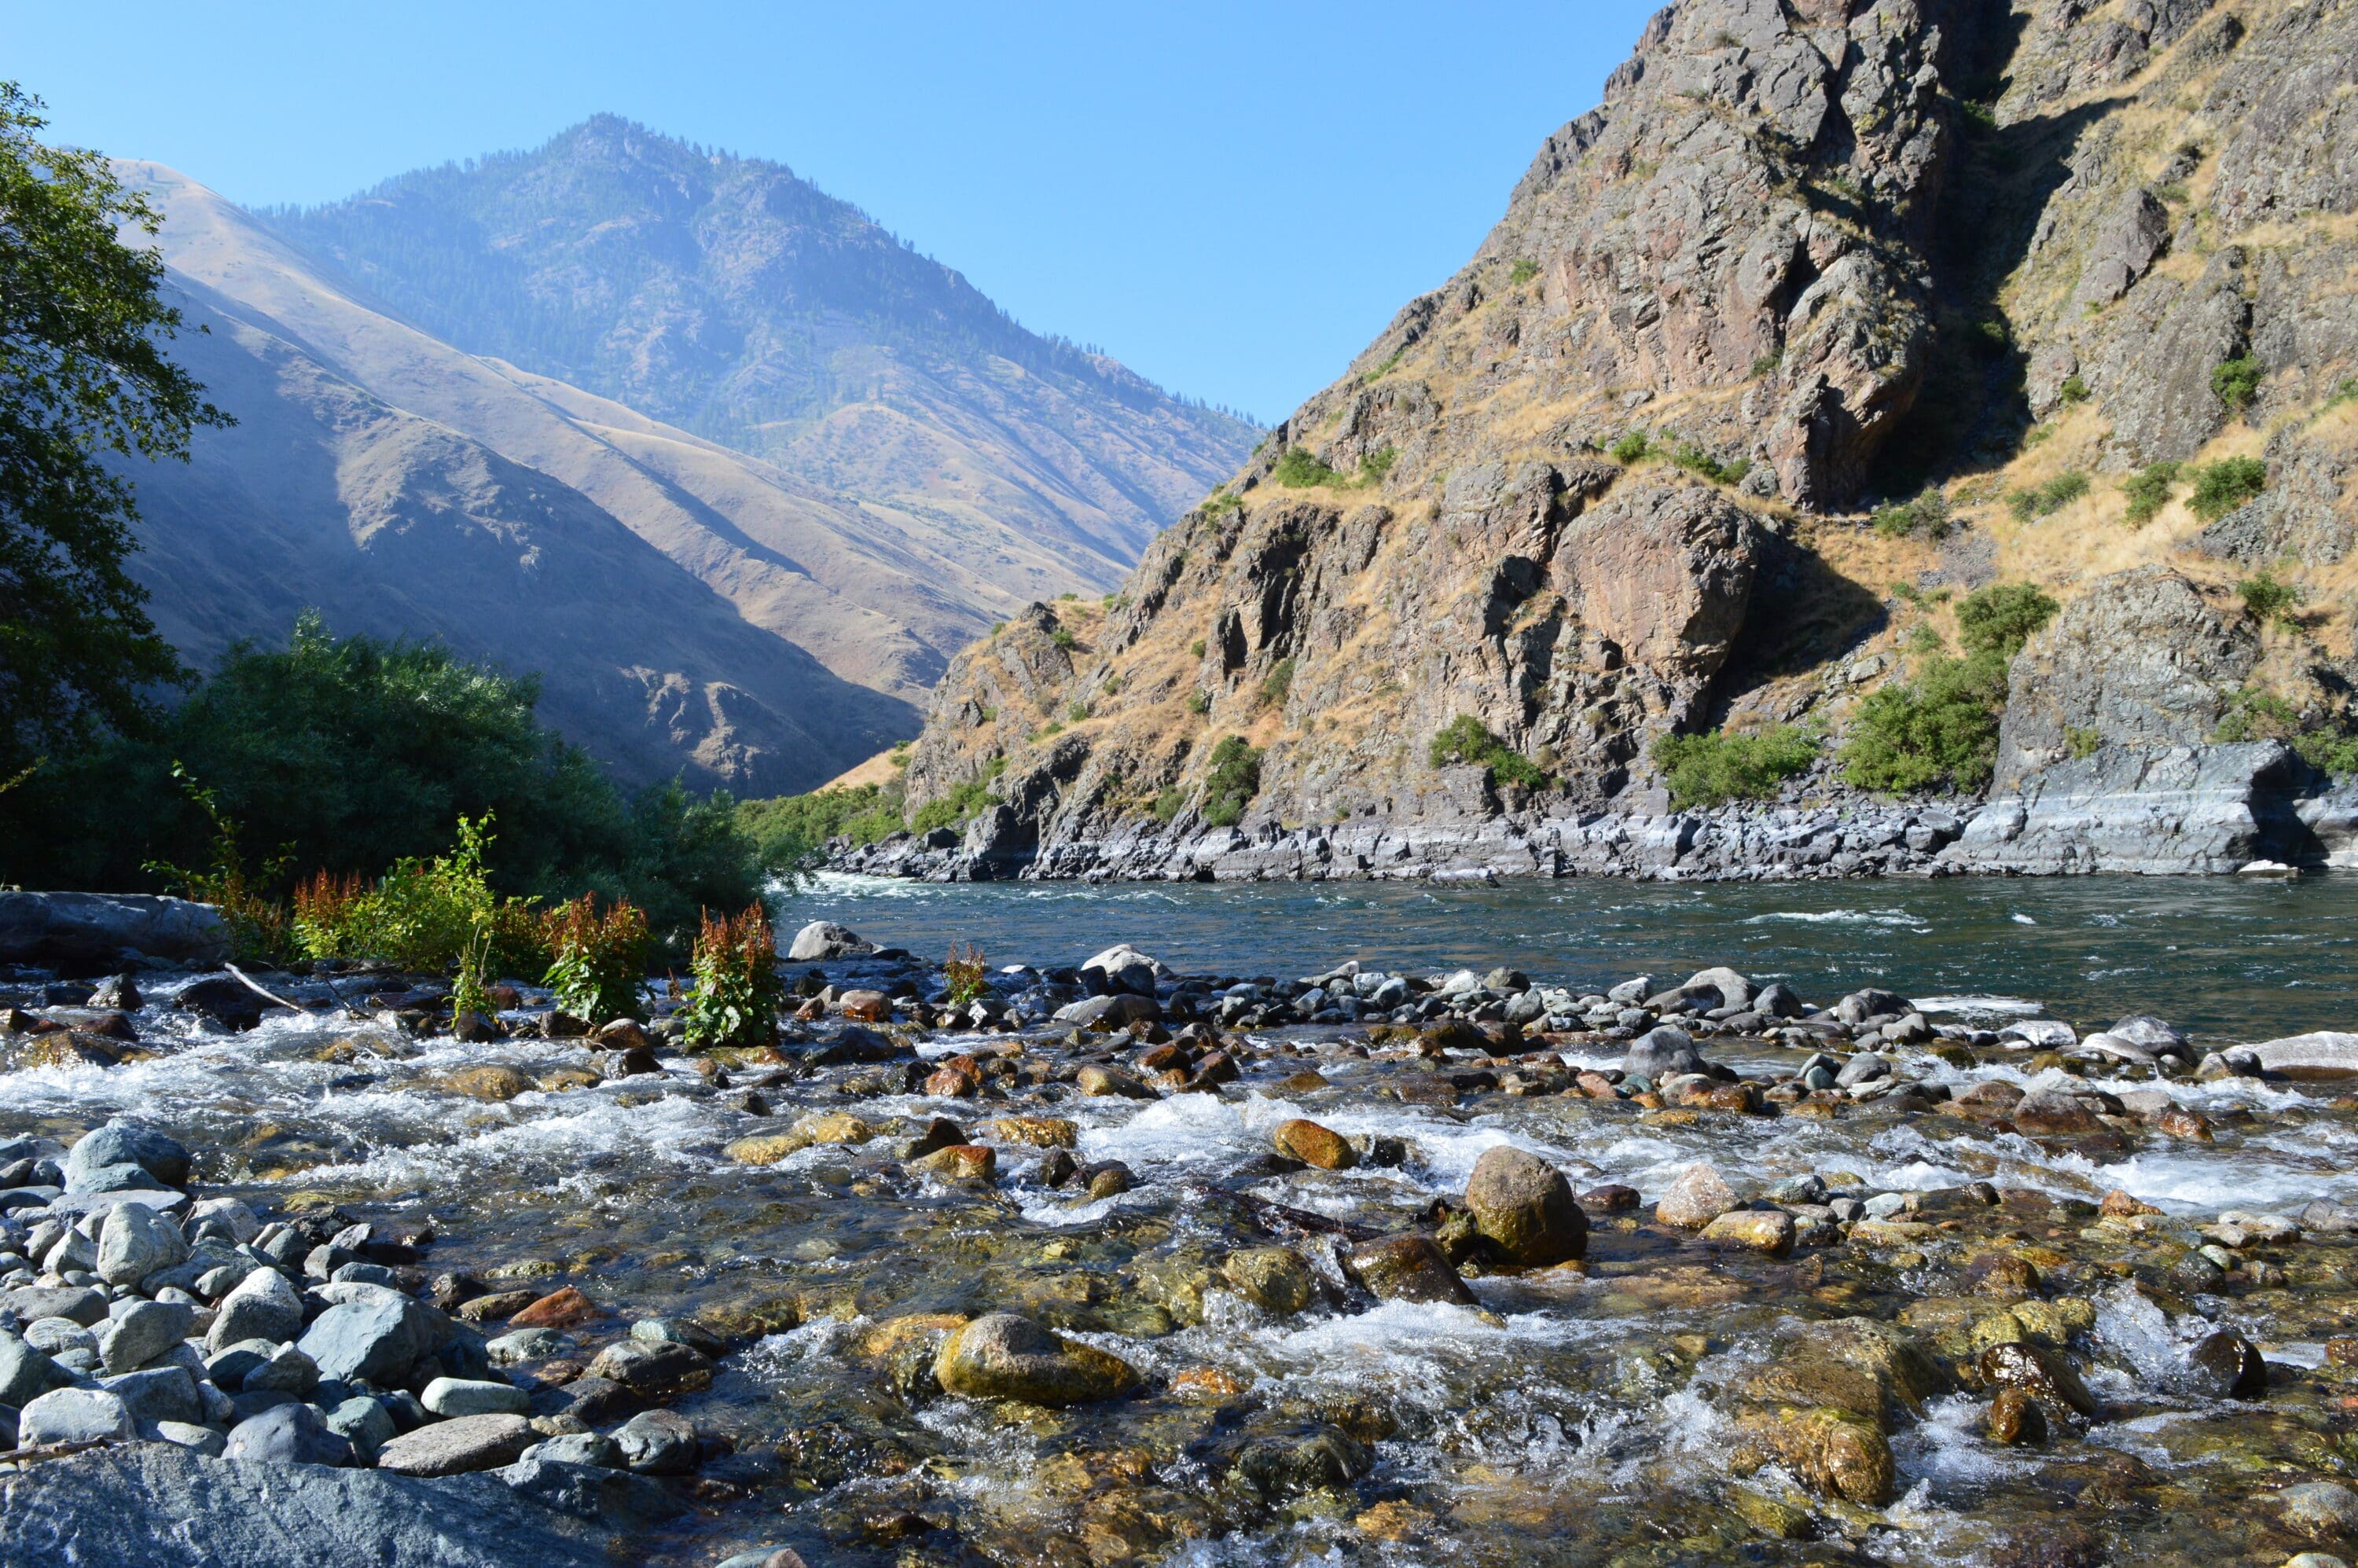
{"x": 1939, "y": 727}
{"x": 1999, "y": 619}
{"x": 2148, "y": 491}
{"x": 2222, "y": 486}
{"x": 1715, "y": 768}
{"x": 1466, "y": 740}
{"x": 1234, "y": 780}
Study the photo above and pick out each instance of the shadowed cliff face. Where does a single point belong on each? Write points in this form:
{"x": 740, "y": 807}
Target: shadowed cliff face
{"x": 1816, "y": 255}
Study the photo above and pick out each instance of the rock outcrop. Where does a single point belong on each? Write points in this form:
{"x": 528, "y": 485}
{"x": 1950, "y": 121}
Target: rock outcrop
{"x": 1597, "y": 490}
{"x": 84, "y": 929}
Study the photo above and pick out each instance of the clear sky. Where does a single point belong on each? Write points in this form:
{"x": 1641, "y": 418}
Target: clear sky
{"x": 1230, "y": 197}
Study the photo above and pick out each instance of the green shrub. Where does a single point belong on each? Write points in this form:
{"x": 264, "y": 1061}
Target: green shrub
{"x": 1633, "y": 447}
{"x": 1708, "y": 770}
{"x": 2000, "y": 618}
{"x": 2148, "y": 492}
{"x": 1929, "y": 512}
{"x": 2256, "y": 715}
{"x": 1522, "y": 272}
{"x": 966, "y": 976}
{"x": 2081, "y": 741}
{"x": 2053, "y": 496}
{"x": 2222, "y": 486}
{"x": 1234, "y": 780}
{"x": 1077, "y": 712}
{"x": 1299, "y": 469}
{"x": 1378, "y": 465}
{"x": 425, "y": 915}
{"x": 599, "y": 964}
{"x": 257, "y": 925}
{"x": 2236, "y": 382}
{"x": 1197, "y": 648}
{"x": 961, "y": 805}
{"x": 737, "y": 991}
{"x": 1170, "y": 803}
{"x": 794, "y": 830}
{"x": 1063, "y": 637}
{"x": 1943, "y": 725}
{"x": 2346, "y": 393}
{"x": 2266, "y": 599}
{"x": 1766, "y": 365}
{"x": 2173, "y": 194}
{"x": 1466, "y": 740}
{"x": 2074, "y": 390}
{"x": 1279, "y": 682}
{"x": 1219, "y": 504}
{"x": 1696, "y": 460}
{"x": 1199, "y": 702}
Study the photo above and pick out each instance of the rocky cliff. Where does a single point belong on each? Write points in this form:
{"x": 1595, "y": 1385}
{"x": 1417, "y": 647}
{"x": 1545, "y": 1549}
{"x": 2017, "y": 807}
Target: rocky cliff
{"x": 1614, "y": 480}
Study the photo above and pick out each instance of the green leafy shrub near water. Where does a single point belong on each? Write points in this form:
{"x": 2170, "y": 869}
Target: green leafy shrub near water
{"x": 2256, "y": 715}
{"x": 2222, "y": 486}
{"x": 737, "y": 991}
{"x": 1710, "y": 770}
{"x": 1234, "y": 780}
{"x": 426, "y": 914}
{"x": 1941, "y": 725}
{"x": 1466, "y": 740}
{"x": 598, "y": 962}
{"x": 795, "y": 830}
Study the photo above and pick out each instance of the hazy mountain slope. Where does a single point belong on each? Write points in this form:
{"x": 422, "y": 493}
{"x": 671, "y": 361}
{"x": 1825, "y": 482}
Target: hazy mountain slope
{"x": 326, "y": 496}
{"x": 727, "y": 296}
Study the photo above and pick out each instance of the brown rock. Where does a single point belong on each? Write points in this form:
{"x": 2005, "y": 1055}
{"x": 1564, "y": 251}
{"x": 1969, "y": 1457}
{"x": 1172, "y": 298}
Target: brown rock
{"x": 487, "y": 1082}
{"x": 1409, "y": 1268}
{"x": 2118, "y": 1205}
{"x": 2049, "y": 1115}
{"x": 2037, "y": 1370}
{"x": 2017, "y": 1419}
{"x": 453, "y": 1447}
{"x": 1314, "y": 1146}
{"x": 1611, "y": 1198}
{"x": 1525, "y": 1207}
{"x": 493, "y": 1308}
{"x": 1102, "y": 1081}
{"x": 1037, "y": 1131}
{"x": 865, "y": 1006}
{"x": 2001, "y": 1274}
{"x": 1004, "y": 1355}
{"x": 1761, "y": 1230}
{"x": 561, "y": 1308}
{"x": 1695, "y": 1199}
{"x": 654, "y": 1368}
{"x": 623, "y": 1034}
{"x": 960, "y": 1163}
{"x": 1834, "y": 1451}
{"x": 955, "y": 1079}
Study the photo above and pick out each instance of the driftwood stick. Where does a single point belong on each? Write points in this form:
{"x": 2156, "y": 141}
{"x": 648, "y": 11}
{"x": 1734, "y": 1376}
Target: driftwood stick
{"x": 248, "y": 981}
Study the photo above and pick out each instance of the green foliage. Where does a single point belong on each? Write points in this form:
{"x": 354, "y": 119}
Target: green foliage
{"x": 1979, "y": 116}
{"x": 1077, "y": 712}
{"x": 1234, "y": 780}
{"x": 1169, "y": 804}
{"x": 1929, "y": 514}
{"x": 1197, "y": 648}
{"x": 2347, "y": 393}
{"x": 1633, "y": 447}
{"x": 2236, "y": 382}
{"x": 2053, "y": 496}
{"x": 87, "y": 396}
{"x": 2074, "y": 390}
{"x": 2148, "y": 492}
{"x": 257, "y": 924}
{"x": 736, "y": 993}
{"x": 1696, "y": 460}
{"x": 2266, "y": 599}
{"x": 425, "y": 915}
{"x": 1063, "y": 637}
{"x": 2081, "y": 741}
{"x": 1299, "y": 469}
{"x": 1279, "y": 682}
{"x": 1378, "y": 465}
{"x": 2222, "y": 486}
{"x": 1707, "y": 769}
{"x": 966, "y": 976}
{"x": 599, "y": 962}
{"x": 1219, "y": 504}
{"x": 1522, "y": 272}
{"x": 1390, "y": 362}
{"x": 2256, "y": 715}
{"x": 1766, "y": 365}
{"x": 2173, "y": 194}
{"x": 1466, "y": 740}
{"x": 1999, "y": 619}
{"x": 1943, "y": 725}
{"x": 961, "y": 805}
{"x": 791, "y": 831}
{"x": 1199, "y": 702}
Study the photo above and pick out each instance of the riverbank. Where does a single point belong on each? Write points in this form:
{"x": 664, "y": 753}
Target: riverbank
{"x": 1109, "y": 1259}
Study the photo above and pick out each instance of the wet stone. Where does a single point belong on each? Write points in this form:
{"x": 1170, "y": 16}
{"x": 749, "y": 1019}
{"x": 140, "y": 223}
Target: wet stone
{"x": 1699, "y": 1196}
{"x": 1525, "y": 1207}
{"x": 1004, "y": 1355}
{"x": 1314, "y": 1146}
{"x": 1409, "y": 1268}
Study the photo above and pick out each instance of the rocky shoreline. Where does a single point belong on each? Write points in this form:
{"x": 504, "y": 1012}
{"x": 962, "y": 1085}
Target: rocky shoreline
{"x": 286, "y": 1365}
{"x": 2187, "y": 810}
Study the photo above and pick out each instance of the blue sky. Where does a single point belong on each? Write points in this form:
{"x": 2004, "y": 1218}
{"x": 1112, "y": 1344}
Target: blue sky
{"x": 1230, "y": 197}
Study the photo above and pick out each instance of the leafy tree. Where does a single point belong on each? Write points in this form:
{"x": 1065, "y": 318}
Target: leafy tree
{"x": 84, "y": 385}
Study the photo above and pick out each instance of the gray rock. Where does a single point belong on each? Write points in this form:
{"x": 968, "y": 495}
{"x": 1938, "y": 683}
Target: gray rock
{"x": 125, "y": 1177}
{"x": 127, "y": 1143}
{"x": 263, "y": 1306}
{"x": 238, "y": 1221}
{"x": 824, "y": 939}
{"x": 1864, "y": 1068}
{"x": 657, "y": 1443}
{"x": 374, "y": 1341}
{"x": 2039, "y": 1034}
{"x": 2153, "y": 1034}
{"x": 2124, "y": 250}
{"x": 102, "y": 1508}
{"x": 291, "y": 1434}
{"x": 205, "y": 1440}
{"x": 2326, "y": 1509}
{"x": 1658, "y": 1053}
{"x": 27, "y": 1373}
{"x": 1732, "y": 989}
{"x": 1124, "y": 968}
{"x": 528, "y": 1345}
{"x": 1777, "y": 1000}
{"x": 143, "y": 1332}
{"x": 50, "y": 1336}
{"x": 80, "y": 928}
{"x": 79, "y": 1302}
{"x": 288, "y": 1371}
{"x": 450, "y": 1447}
{"x": 451, "y": 1397}
{"x": 2324, "y": 1054}
{"x": 577, "y": 1448}
{"x": 1630, "y": 992}
{"x": 162, "y": 1393}
{"x": 136, "y": 1241}
{"x": 364, "y": 1423}
{"x": 73, "y": 1415}
{"x": 611, "y": 1497}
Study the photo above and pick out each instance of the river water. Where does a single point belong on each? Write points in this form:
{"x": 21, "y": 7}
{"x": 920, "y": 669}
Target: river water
{"x": 2222, "y": 958}
{"x": 1591, "y": 1415}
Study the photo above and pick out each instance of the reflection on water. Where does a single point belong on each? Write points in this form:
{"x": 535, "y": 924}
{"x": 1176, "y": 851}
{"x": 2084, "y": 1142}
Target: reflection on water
{"x": 2222, "y": 958}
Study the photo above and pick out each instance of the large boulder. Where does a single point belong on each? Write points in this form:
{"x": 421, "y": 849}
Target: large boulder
{"x": 82, "y": 928}
{"x": 375, "y": 1340}
{"x": 451, "y": 1447}
{"x": 103, "y": 1506}
{"x": 1662, "y": 1053}
{"x": 824, "y": 939}
{"x": 1005, "y": 1356}
{"x": 1526, "y": 1207}
{"x": 127, "y": 1143}
{"x": 1123, "y": 969}
{"x": 73, "y": 1415}
{"x": 135, "y": 1242}
{"x": 141, "y": 1332}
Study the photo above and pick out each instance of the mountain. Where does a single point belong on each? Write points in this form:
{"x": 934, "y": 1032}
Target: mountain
{"x": 729, "y": 297}
{"x": 1614, "y": 480}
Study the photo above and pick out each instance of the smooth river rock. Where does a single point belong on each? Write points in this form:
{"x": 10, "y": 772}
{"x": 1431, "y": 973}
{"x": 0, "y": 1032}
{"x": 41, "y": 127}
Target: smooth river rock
{"x": 1524, "y": 1205}
{"x": 1005, "y": 1356}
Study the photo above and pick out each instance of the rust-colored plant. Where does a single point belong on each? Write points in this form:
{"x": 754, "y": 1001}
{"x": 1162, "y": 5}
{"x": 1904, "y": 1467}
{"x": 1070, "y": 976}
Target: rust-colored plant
{"x": 738, "y": 992}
